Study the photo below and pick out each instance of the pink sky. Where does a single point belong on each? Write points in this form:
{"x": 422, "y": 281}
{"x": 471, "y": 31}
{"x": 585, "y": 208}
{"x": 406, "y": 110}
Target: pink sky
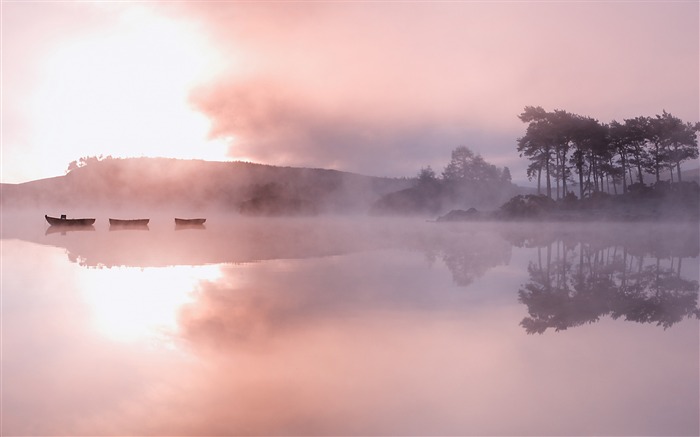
{"x": 378, "y": 88}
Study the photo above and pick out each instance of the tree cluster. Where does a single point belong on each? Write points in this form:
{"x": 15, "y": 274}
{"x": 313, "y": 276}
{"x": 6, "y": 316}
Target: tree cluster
{"x": 85, "y": 161}
{"x": 465, "y": 166}
{"x": 565, "y": 148}
{"x": 467, "y": 181}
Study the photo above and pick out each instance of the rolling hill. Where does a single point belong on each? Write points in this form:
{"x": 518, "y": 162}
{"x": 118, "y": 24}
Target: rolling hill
{"x": 163, "y": 183}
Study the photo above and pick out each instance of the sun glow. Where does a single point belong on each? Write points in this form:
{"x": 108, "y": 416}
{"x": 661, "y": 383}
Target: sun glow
{"x": 124, "y": 92}
{"x": 130, "y": 304}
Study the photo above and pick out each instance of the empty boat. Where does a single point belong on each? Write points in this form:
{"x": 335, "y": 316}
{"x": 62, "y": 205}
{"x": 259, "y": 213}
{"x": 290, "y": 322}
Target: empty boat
{"x": 63, "y": 221}
{"x": 187, "y": 222}
{"x": 128, "y": 222}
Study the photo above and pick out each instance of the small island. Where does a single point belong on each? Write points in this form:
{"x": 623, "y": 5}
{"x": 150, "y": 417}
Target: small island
{"x": 663, "y": 201}
{"x": 585, "y": 170}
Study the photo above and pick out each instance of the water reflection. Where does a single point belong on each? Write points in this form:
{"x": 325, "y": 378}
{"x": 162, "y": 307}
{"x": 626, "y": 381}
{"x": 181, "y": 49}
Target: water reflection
{"x": 305, "y": 327}
{"x": 132, "y": 304}
{"x": 225, "y": 241}
{"x": 182, "y": 227}
{"x": 129, "y": 227}
{"x": 633, "y": 274}
{"x": 63, "y": 230}
{"x": 578, "y": 273}
{"x": 468, "y": 252}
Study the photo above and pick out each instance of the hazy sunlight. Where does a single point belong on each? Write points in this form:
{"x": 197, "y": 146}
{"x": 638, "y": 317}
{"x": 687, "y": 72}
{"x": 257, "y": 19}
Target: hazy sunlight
{"x": 130, "y": 304}
{"x": 124, "y": 92}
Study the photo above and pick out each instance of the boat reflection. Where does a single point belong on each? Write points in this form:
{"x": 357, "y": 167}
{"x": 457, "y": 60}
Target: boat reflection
{"x": 185, "y": 226}
{"x": 128, "y": 227}
{"x": 64, "y": 229}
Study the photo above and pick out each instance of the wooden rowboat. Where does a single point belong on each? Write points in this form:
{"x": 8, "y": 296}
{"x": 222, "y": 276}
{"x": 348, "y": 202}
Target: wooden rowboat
{"x": 128, "y": 222}
{"x": 189, "y": 222}
{"x": 63, "y": 221}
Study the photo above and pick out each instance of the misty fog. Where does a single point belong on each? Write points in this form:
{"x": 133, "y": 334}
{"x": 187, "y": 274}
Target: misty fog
{"x": 321, "y": 302}
{"x": 427, "y": 305}
{"x": 350, "y": 218}
{"x": 362, "y": 320}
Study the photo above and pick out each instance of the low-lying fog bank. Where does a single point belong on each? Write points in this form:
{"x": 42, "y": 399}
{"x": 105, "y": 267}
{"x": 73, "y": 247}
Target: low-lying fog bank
{"x": 238, "y": 238}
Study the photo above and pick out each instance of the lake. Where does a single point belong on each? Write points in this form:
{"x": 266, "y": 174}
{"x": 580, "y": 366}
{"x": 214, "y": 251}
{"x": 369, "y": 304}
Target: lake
{"x": 350, "y": 326}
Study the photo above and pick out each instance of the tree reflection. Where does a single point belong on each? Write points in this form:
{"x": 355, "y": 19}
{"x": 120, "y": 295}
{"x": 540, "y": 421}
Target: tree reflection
{"x": 467, "y": 253}
{"x": 627, "y": 276}
{"x": 468, "y": 262}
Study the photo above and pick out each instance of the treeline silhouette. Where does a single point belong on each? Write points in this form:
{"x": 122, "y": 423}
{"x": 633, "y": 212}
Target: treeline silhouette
{"x": 633, "y": 274}
{"x": 567, "y": 149}
{"x": 606, "y": 165}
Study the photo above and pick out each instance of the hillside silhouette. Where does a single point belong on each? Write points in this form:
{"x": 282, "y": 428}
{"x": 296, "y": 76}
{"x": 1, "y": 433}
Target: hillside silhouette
{"x": 195, "y": 184}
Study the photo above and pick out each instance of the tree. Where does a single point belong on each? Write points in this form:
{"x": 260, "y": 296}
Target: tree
{"x": 459, "y": 167}
{"x": 634, "y": 135}
{"x": 537, "y": 144}
{"x": 678, "y": 139}
{"x": 482, "y": 171}
{"x": 426, "y": 175}
{"x": 589, "y": 139}
{"x": 86, "y": 160}
{"x": 565, "y": 127}
{"x": 466, "y": 166}
{"x": 617, "y": 136}
{"x": 505, "y": 175}
{"x": 548, "y": 141}
{"x": 654, "y": 134}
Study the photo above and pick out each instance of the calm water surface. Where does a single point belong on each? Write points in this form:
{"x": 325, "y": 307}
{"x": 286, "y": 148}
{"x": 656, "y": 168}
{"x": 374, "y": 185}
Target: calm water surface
{"x": 349, "y": 327}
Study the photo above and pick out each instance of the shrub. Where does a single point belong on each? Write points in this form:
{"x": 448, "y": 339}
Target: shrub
{"x": 527, "y": 206}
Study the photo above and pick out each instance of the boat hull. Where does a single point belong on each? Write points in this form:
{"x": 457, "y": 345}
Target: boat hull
{"x": 55, "y": 221}
{"x": 129, "y": 222}
{"x": 189, "y": 222}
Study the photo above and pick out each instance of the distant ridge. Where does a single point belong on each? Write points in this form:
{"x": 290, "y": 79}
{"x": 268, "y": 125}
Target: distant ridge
{"x": 196, "y": 184}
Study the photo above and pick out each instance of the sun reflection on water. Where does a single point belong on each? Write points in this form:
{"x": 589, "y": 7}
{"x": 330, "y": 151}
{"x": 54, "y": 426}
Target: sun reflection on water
{"x": 130, "y": 304}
